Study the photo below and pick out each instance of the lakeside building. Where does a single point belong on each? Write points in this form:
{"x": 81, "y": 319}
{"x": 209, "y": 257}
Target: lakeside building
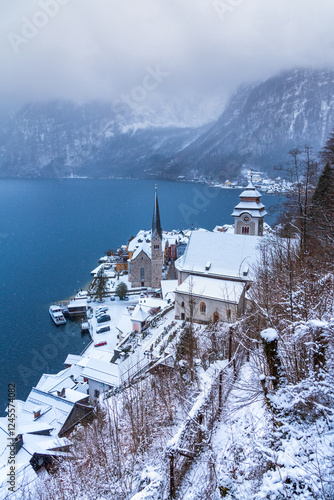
{"x": 145, "y": 265}
{"x": 215, "y": 270}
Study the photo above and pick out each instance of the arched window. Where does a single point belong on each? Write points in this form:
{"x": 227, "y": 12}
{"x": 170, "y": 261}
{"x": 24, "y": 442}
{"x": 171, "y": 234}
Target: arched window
{"x": 202, "y": 307}
{"x": 182, "y": 304}
{"x": 142, "y": 274}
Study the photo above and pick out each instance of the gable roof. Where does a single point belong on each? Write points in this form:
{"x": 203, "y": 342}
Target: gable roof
{"x": 100, "y": 371}
{"x": 230, "y": 256}
{"x": 212, "y": 288}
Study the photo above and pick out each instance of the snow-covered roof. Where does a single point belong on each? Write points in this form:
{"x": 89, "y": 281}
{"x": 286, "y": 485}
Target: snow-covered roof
{"x": 45, "y": 445}
{"x": 72, "y": 359}
{"x": 249, "y": 205}
{"x": 100, "y": 371}
{"x": 141, "y": 236}
{"x": 168, "y": 288}
{"x": 54, "y": 410}
{"x": 143, "y": 247}
{"x": 139, "y": 315}
{"x": 250, "y": 192}
{"x": 226, "y": 228}
{"x": 57, "y": 382}
{"x": 125, "y": 325}
{"x": 74, "y": 395}
{"x": 212, "y": 288}
{"x": 254, "y": 213}
{"x": 231, "y": 255}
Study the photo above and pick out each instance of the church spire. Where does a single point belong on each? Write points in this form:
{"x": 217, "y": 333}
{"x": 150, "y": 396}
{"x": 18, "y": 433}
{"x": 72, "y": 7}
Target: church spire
{"x": 156, "y": 224}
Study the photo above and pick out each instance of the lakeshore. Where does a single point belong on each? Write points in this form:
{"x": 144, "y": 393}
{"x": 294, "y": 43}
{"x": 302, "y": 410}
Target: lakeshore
{"x": 47, "y": 254}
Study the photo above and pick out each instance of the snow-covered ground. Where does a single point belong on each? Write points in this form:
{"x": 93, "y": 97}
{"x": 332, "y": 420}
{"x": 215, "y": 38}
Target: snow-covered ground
{"x": 256, "y": 453}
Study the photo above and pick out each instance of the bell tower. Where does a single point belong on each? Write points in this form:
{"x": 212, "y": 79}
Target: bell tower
{"x": 249, "y": 213}
{"x": 156, "y": 245}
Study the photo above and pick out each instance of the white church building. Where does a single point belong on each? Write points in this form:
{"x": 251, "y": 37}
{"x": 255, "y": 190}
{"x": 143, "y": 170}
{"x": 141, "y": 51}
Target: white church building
{"x": 216, "y": 269}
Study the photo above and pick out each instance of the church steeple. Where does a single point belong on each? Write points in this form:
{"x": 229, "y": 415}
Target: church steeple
{"x": 156, "y": 246}
{"x": 156, "y": 224}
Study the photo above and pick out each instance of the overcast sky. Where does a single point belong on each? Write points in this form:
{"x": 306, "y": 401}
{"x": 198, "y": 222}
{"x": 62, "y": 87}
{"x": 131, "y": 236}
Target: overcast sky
{"x": 188, "y": 52}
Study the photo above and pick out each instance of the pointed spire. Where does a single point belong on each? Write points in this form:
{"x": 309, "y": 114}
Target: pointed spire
{"x": 156, "y": 224}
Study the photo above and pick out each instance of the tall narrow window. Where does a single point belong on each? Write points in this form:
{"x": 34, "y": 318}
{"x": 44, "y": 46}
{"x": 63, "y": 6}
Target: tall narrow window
{"x": 245, "y": 230}
{"x": 202, "y": 307}
{"x": 142, "y": 274}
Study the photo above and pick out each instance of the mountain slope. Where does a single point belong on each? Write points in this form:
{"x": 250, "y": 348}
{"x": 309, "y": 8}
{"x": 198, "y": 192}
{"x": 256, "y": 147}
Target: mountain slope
{"x": 258, "y": 127}
{"x": 262, "y": 122}
{"x": 95, "y": 139}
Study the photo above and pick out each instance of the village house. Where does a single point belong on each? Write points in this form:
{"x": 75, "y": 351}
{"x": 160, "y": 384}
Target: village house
{"x": 215, "y": 270}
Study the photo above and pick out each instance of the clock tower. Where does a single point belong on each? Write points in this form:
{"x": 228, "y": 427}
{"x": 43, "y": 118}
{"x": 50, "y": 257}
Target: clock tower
{"x": 248, "y": 214}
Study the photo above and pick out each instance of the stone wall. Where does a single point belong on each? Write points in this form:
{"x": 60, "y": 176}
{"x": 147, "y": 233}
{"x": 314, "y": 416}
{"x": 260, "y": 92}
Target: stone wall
{"x": 142, "y": 261}
{"x": 227, "y": 311}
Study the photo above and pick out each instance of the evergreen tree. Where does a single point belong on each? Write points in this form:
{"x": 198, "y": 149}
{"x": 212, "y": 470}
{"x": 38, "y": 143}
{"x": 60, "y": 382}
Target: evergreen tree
{"x": 121, "y": 290}
{"x": 321, "y": 224}
{"x": 327, "y": 153}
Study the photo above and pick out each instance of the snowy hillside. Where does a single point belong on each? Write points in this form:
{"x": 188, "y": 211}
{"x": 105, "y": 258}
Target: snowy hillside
{"x": 262, "y": 122}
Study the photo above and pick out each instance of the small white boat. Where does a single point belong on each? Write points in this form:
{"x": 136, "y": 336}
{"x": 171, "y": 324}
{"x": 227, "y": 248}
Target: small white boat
{"x": 56, "y": 314}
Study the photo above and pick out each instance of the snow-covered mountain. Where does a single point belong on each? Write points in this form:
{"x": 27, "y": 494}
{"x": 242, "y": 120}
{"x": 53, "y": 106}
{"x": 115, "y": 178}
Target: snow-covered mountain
{"x": 258, "y": 127}
{"x": 262, "y": 122}
{"x": 95, "y": 139}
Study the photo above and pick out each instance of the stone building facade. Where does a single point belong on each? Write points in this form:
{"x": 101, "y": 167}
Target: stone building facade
{"x": 216, "y": 268}
{"x": 145, "y": 265}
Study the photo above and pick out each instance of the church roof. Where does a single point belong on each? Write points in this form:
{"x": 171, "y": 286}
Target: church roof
{"x": 220, "y": 255}
{"x": 250, "y": 192}
{"x": 212, "y": 288}
{"x": 249, "y": 202}
{"x": 156, "y": 224}
{"x": 143, "y": 247}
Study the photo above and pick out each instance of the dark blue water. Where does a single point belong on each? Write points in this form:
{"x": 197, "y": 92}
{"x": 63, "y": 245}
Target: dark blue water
{"x": 52, "y": 233}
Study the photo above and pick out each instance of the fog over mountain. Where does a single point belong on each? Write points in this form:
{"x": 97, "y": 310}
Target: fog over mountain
{"x": 259, "y": 125}
{"x": 200, "y": 52}
{"x": 149, "y": 87}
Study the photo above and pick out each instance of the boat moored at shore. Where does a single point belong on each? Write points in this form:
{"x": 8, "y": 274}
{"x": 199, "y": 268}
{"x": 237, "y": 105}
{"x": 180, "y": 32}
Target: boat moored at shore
{"x": 56, "y": 313}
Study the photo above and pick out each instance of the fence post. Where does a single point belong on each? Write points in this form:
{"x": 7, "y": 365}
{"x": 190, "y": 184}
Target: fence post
{"x": 171, "y": 476}
{"x": 220, "y": 393}
{"x": 230, "y": 344}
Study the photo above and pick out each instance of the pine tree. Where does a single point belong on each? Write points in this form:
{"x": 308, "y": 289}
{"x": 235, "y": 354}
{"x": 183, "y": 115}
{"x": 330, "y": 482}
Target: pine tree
{"x": 121, "y": 290}
{"x": 321, "y": 224}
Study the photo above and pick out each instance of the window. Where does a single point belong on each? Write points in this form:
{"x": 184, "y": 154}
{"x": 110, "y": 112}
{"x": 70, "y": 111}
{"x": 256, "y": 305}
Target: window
{"x": 245, "y": 230}
{"x": 202, "y": 307}
{"x": 228, "y": 314}
{"x": 142, "y": 274}
{"x": 182, "y": 304}
{"x": 182, "y": 316}
{"x": 96, "y": 393}
{"x": 156, "y": 247}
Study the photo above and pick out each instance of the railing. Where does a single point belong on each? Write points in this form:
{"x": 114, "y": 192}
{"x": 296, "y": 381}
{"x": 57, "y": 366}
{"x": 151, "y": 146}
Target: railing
{"x": 182, "y": 450}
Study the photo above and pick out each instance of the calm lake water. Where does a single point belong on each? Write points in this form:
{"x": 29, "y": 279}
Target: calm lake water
{"x": 52, "y": 233}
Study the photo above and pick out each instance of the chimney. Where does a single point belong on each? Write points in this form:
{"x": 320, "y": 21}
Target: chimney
{"x": 37, "y": 413}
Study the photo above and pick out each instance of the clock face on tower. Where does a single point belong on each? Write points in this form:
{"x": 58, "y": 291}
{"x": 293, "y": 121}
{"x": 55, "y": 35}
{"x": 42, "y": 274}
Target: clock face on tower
{"x": 246, "y": 218}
